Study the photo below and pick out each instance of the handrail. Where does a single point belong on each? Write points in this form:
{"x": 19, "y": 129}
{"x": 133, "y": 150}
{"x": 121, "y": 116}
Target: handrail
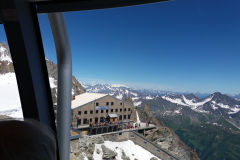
{"x": 64, "y": 92}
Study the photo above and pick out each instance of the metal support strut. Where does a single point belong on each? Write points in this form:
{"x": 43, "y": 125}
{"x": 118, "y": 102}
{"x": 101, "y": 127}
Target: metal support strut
{"x": 64, "y": 93}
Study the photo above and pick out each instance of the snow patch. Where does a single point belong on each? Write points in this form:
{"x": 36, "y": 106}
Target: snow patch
{"x": 10, "y": 104}
{"x": 234, "y": 110}
{"x": 195, "y": 105}
{"x": 138, "y": 120}
{"x": 137, "y": 103}
{"x": 52, "y": 82}
{"x": 134, "y": 94}
{"x": 223, "y": 105}
{"x": 119, "y": 96}
{"x": 4, "y": 56}
{"x": 149, "y": 97}
{"x": 131, "y": 150}
{"x": 174, "y": 100}
{"x": 118, "y": 85}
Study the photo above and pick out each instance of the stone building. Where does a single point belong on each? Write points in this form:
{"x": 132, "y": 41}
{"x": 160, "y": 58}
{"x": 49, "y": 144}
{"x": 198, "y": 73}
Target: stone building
{"x": 94, "y": 108}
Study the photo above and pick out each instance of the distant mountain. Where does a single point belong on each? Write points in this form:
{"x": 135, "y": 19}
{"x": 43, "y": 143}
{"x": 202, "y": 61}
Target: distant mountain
{"x": 118, "y": 91}
{"x": 216, "y": 103}
{"x": 10, "y": 103}
{"x": 121, "y": 91}
{"x": 209, "y": 125}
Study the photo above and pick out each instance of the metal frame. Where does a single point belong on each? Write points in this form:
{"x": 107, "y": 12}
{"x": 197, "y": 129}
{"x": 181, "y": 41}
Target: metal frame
{"x": 24, "y": 38}
{"x": 47, "y": 6}
{"x": 64, "y": 93}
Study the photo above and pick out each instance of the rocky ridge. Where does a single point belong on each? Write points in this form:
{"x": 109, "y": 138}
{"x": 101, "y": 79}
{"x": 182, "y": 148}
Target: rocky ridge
{"x": 6, "y": 66}
{"x": 165, "y": 137}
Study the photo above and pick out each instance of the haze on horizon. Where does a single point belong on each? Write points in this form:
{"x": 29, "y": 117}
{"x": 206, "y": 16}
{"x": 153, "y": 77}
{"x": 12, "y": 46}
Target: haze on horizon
{"x": 188, "y": 46}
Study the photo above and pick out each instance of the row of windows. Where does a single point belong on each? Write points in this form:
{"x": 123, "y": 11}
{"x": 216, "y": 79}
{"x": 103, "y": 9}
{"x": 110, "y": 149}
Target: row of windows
{"x": 107, "y": 103}
{"x": 101, "y": 119}
{"x": 102, "y": 111}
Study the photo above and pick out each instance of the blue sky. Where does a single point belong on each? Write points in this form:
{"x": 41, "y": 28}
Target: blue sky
{"x": 182, "y": 45}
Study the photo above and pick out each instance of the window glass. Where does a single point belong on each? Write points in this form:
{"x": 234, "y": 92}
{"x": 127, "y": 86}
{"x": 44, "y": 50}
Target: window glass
{"x": 10, "y": 105}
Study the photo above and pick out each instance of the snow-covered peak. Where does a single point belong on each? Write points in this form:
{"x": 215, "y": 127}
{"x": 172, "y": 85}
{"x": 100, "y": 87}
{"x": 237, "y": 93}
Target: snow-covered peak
{"x": 4, "y": 53}
{"x": 119, "y": 85}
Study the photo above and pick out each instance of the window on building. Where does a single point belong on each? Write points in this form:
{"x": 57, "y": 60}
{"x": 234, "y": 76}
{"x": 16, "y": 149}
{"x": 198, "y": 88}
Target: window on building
{"x": 79, "y": 122}
{"x": 101, "y": 111}
{"x": 85, "y": 121}
{"x": 129, "y": 116}
{"x": 124, "y": 117}
{"x": 85, "y": 112}
{"x": 121, "y": 103}
{"x": 129, "y": 109}
{"x": 102, "y": 119}
{"x": 112, "y": 103}
{"x": 96, "y": 120}
{"x": 111, "y": 110}
{"x": 120, "y": 117}
{"x": 107, "y": 111}
{"x": 107, "y": 103}
{"x": 91, "y": 112}
{"x": 90, "y": 119}
{"x": 97, "y": 104}
{"x": 121, "y": 110}
{"x": 96, "y": 111}
{"x": 79, "y": 112}
{"x": 116, "y": 110}
{"x": 125, "y": 109}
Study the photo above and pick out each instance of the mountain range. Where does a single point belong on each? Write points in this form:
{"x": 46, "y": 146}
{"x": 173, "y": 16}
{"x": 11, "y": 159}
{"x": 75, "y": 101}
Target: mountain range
{"x": 209, "y": 125}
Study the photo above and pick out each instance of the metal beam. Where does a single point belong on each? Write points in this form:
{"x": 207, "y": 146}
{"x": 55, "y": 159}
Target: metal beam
{"x": 64, "y": 95}
{"x": 48, "y": 6}
{"x": 24, "y": 39}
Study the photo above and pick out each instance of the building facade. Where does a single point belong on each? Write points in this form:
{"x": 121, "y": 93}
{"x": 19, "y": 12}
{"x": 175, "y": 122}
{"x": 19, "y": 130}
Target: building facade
{"x": 94, "y": 108}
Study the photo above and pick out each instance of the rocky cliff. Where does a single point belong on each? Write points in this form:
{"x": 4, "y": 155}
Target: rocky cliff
{"x": 165, "y": 137}
{"x": 77, "y": 88}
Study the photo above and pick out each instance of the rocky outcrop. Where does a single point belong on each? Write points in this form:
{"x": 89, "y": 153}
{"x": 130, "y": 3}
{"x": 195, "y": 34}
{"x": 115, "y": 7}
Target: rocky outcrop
{"x": 108, "y": 154}
{"x": 84, "y": 147}
{"x": 165, "y": 137}
{"x": 6, "y": 66}
{"x": 145, "y": 114}
{"x": 77, "y": 88}
{"x": 124, "y": 156}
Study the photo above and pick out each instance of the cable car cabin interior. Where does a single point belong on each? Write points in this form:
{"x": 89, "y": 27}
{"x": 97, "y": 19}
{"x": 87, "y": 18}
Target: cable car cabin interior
{"x": 20, "y": 21}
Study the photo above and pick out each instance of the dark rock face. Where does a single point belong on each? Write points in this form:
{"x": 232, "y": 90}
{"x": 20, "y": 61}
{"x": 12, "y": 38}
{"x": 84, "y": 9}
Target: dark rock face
{"x": 165, "y": 137}
{"x": 108, "y": 154}
{"x": 6, "y": 65}
{"x": 77, "y": 88}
